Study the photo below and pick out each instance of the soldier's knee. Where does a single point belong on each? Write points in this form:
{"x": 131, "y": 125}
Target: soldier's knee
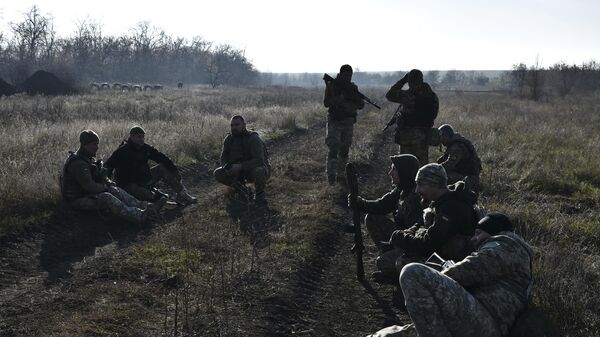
{"x": 412, "y": 272}
{"x": 220, "y": 174}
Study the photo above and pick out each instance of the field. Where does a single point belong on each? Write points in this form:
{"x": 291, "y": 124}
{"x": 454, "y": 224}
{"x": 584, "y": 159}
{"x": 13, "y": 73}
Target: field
{"x": 222, "y": 269}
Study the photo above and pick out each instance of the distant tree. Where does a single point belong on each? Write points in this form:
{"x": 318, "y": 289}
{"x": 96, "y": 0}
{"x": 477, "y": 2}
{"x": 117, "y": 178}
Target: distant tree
{"x": 450, "y": 78}
{"x": 535, "y": 80}
{"x": 566, "y": 77}
{"x": 518, "y": 78}
{"x": 432, "y": 77}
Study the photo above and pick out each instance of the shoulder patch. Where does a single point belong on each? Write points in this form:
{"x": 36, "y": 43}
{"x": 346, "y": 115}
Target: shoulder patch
{"x": 490, "y": 245}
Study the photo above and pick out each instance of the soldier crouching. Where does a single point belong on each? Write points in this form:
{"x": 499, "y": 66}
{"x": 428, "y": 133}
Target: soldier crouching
{"x": 84, "y": 187}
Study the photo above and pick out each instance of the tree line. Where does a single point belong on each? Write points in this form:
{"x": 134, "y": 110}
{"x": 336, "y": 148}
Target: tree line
{"x": 145, "y": 54}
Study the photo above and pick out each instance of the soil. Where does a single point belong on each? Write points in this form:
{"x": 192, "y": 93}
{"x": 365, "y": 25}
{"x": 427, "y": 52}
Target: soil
{"x": 63, "y": 271}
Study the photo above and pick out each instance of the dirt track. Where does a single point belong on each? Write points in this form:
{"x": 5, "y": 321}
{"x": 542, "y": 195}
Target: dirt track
{"x": 61, "y": 270}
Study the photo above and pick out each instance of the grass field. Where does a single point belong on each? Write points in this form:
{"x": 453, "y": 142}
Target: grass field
{"x": 541, "y": 167}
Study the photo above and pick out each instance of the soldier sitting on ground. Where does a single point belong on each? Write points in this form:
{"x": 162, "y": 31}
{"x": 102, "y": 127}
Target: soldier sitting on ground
{"x": 479, "y": 296}
{"x": 133, "y": 173}
{"x": 460, "y": 159}
{"x": 405, "y": 204}
{"x": 449, "y": 221}
{"x": 244, "y": 158}
{"x": 84, "y": 187}
{"x": 420, "y": 107}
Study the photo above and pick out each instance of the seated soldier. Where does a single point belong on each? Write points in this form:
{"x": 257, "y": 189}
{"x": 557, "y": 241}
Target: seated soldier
{"x": 134, "y": 175}
{"x": 460, "y": 159}
{"x": 479, "y": 296}
{"x": 244, "y": 159}
{"x": 403, "y": 201}
{"x": 449, "y": 221}
{"x": 85, "y": 188}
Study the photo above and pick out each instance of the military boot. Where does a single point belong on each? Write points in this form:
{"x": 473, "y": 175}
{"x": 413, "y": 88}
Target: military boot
{"x": 157, "y": 205}
{"x": 185, "y": 198}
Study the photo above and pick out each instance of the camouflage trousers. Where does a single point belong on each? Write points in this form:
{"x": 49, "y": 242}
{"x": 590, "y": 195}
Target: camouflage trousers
{"x": 441, "y": 307}
{"x": 338, "y": 139}
{"x": 158, "y": 172}
{"x": 116, "y": 202}
{"x": 259, "y": 176}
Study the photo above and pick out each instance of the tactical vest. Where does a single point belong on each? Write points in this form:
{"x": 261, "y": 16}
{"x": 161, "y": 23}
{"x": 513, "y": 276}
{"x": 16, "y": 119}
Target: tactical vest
{"x": 247, "y": 155}
{"x": 338, "y": 112}
{"x": 467, "y": 166}
{"x": 69, "y": 187}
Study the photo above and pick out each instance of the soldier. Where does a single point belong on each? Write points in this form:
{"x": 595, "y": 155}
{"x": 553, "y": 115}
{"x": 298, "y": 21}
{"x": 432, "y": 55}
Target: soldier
{"x": 340, "y": 123}
{"x": 479, "y": 296}
{"x": 407, "y": 210}
{"x": 460, "y": 158}
{"x": 244, "y": 158}
{"x": 449, "y": 221}
{"x": 85, "y": 188}
{"x": 134, "y": 175}
{"x": 419, "y": 109}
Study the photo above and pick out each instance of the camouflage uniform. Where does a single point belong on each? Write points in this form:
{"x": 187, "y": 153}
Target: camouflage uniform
{"x": 134, "y": 175}
{"x": 83, "y": 188}
{"x": 461, "y": 160}
{"x": 250, "y": 151}
{"x": 420, "y": 107}
{"x": 498, "y": 277}
{"x": 340, "y": 127}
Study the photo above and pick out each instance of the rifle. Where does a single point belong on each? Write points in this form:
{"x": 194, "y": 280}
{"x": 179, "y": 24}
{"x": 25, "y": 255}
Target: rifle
{"x": 394, "y": 118}
{"x": 347, "y": 88}
{"x": 165, "y": 195}
{"x": 358, "y": 246}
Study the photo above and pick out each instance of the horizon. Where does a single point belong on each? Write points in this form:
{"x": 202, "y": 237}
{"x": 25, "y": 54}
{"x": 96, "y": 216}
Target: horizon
{"x": 464, "y": 35}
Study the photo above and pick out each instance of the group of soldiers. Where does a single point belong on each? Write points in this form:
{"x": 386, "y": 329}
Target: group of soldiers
{"x": 458, "y": 272}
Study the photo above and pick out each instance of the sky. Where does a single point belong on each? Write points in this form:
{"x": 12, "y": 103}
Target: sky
{"x": 375, "y": 35}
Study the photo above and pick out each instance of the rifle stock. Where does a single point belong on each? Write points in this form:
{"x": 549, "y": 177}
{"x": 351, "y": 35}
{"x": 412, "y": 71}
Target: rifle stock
{"x": 358, "y": 246}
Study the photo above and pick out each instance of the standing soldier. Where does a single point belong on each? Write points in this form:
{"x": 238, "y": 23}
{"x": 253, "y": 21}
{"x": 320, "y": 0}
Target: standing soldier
{"x": 133, "y": 173}
{"x": 419, "y": 109}
{"x": 460, "y": 158}
{"x": 340, "y": 122}
{"x": 244, "y": 158}
{"x": 84, "y": 187}
{"x": 479, "y": 296}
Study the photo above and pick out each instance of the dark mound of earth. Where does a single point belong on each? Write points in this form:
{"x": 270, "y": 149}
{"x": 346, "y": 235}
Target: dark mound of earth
{"x": 46, "y": 83}
{"x": 6, "y": 89}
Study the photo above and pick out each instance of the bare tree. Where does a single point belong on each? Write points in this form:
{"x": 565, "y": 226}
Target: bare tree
{"x": 535, "y": 80}
{"x": 567, "y": 75}
{"x": 31, "y": 33}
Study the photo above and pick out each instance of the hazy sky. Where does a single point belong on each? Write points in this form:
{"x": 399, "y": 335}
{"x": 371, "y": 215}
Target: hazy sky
{"x": 376, "y": 35}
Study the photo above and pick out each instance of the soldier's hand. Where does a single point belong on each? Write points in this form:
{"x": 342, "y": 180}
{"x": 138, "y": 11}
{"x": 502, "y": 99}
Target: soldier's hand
{"x": 397, "y": 238}
{"x": 114, "y": 190}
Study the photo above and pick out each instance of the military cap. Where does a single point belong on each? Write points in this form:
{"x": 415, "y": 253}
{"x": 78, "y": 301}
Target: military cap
{"x": 137, "y": 130}
{"x": 432, "y": 174}
{"x": 88, "y": 136}
{"x": 494, "y": 223}
{"x": 406, "y": 165}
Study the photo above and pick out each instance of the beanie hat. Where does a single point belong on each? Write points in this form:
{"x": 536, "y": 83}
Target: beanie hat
{"x": 494, "y": 223}
{"x": 432, "y": 174}
{"x": 88, "y": 136}
{"x": 137, "y": 130}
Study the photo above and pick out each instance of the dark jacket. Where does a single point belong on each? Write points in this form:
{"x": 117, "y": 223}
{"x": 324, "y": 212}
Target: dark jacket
{"x": 341, "y": 107}
{"x": 453, "y": 215}
{"x": 406, "y": 206}
{"x": 131, "y": 163}
{"x": 80, "y": 177}
{"x": 246, "y": 149}
{"x": 420, "y": 105}
{"x": 461, "y": 157}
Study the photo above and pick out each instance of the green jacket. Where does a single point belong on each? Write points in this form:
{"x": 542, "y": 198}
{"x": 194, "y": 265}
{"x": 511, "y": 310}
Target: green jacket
{"x": 340, "y": 106}
{"x": 247, "y": 149}
{"x": 406, "y": 206}
{"x": 499, "y": 275}
{"x": 80, "y": 177}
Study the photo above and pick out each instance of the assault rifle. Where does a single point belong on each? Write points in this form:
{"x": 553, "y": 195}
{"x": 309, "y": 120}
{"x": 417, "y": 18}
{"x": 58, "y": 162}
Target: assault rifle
{"x": 358, "y": 246}
{"x": 348, "y": 89}
{"x": 394, "y": 118}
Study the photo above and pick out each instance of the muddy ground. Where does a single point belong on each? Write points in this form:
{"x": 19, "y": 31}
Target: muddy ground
{"x": 285, "y": 270}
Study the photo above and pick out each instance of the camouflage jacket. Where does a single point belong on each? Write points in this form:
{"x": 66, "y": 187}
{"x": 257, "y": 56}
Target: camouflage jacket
{"x": 499, "y": 275}
{"x": 461, "y": 157}
{"x": 247, "y": 149}
{"x": 420, "y": 105}
{"x": 80, "y": 176}
{"x": 451, "y": 223}
{"x": 406, "y": 206}
{"x": 341, "y": 106}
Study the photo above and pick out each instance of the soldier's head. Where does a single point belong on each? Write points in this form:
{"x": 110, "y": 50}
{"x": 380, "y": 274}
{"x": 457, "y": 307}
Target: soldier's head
{"x": 490, "y": 225}
{"x": 446, "y": 133}
{"x": 431, "y": 181}
{"x": 415, "y": 77}
{"x": 403, "y": 171}
{"x": 345, "y": 72}
{"x": 137, "y": 135}
{"x": 88, "y": 142}
{"x": 238, "y": 125}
